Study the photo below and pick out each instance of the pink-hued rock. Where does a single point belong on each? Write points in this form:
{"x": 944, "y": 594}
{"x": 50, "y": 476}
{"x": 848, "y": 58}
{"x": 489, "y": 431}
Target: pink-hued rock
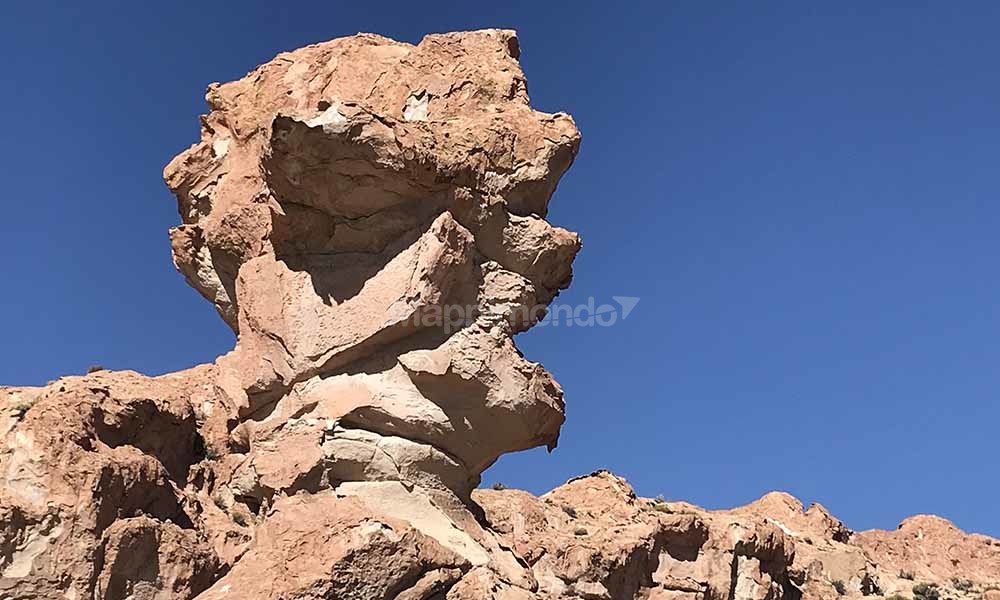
{"x": 93, "y": 470}
{"x": 594, "y": 538}
{"x": 369, "y": 218}
{"x": 323, "y": 546}
{"x": 927, "y": 548}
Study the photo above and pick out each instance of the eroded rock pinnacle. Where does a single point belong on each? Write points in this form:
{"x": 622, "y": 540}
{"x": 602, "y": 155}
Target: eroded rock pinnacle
{"x": 368, "y": 216}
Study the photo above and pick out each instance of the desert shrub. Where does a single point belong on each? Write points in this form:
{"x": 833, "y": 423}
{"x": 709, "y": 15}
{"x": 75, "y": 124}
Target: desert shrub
{"x": 19, "y": 408}
{"x": 840, "y": 586}
{"x": 907, "y": 575}
{"x": 663, "y": 508}
{"x": 962, "y": 585}
{"x": 926, "y": 591}
{"x": 95, "y": 369}
{"x": 240, "y": 519}
{"x": 580, "y": 531}
{"x": 569, "y": 510}
{"x": 498, "y": 486}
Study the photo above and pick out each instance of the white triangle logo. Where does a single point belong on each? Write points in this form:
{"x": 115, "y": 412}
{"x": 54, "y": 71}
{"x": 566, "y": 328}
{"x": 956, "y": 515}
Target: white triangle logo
{"x": 627, "y": 303}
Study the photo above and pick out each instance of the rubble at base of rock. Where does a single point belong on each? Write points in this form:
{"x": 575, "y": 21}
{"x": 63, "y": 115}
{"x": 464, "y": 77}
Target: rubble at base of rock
{"x": 369, "y": 217}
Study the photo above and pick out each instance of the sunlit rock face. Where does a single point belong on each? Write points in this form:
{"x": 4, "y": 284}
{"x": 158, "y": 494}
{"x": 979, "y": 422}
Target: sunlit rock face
{"x": 368, "y": 217}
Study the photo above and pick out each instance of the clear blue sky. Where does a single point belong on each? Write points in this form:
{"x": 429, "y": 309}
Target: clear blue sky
{"x": 804, "y": 198}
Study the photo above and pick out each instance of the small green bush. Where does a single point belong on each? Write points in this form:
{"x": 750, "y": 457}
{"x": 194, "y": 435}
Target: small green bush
{"x": 498, "y": 486}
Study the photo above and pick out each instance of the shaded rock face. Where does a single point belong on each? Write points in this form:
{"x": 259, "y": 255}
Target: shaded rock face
{"x": 369, "y": 218}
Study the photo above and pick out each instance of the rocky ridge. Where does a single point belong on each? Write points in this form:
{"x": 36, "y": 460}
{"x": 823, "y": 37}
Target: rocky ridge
{"x": 368, "y": 216}
{"x": 594, "y": 538}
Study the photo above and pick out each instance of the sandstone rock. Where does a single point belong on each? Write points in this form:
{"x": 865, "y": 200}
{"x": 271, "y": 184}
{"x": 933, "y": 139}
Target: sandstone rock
{"x": 149, "y": 559}
{"x": 635, "y": 548}
{"x": 370, "y": 223}
{"x": 369, "y": 218}
{"x": 823, "y": 552}
{"x": 95, "y": 466}
{"x": 772, "y": 548}
{"x": 342, "y": 191}
{"x": 324, "y": 546}
{"x": 930, "y": 549}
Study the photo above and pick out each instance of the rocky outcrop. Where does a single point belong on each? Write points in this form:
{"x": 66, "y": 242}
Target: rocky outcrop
{"x": 95, "y": 501}
{"x": 593, "y": 538}
{"x": 368, "y": 217}
{"x": 929, "y": 548}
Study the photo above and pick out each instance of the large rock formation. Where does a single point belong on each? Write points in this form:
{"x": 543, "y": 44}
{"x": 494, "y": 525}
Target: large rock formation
{"x": 369, "y": 218}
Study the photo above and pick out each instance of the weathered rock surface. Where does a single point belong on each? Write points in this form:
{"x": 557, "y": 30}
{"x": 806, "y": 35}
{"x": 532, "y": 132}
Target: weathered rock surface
{"x": 94, "y": 472}
{"x": 369, "y": 218}
{"x": 593, "y": 538}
